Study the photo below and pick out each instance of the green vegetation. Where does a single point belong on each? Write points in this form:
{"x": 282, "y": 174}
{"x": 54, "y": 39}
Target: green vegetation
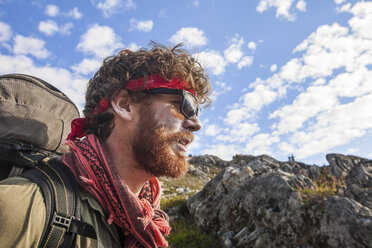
{"x": 325, "y": 186}
{"x": 176, "y": 201}
{"x": 189, "y": 181}
{"x": 185, "y": 233}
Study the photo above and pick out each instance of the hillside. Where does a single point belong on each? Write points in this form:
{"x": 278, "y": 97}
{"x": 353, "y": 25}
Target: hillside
{"x": 261, "y": 202}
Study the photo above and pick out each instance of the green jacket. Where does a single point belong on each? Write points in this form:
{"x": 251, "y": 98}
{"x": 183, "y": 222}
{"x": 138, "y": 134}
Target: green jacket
{"x": 22, "y": 217}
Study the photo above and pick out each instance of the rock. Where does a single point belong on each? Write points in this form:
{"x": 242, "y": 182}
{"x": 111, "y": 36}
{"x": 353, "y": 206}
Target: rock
{"x": 341, "y": 165}
{"x": 261, "y": 202}
{"x": 208, "y": 160}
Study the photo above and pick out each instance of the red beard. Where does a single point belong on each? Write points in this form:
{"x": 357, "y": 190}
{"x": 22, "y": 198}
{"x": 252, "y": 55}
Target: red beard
{"x": 152, "y": 148}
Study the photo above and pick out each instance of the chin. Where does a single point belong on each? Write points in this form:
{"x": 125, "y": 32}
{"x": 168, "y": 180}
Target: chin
{"x": 176, "y": 166}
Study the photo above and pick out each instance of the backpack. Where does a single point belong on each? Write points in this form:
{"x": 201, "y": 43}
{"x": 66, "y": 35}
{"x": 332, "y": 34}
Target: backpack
{"x": 35, "y": 117}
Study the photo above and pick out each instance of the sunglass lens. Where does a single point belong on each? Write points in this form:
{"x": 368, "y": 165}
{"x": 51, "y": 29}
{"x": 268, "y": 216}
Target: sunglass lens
{"x": 190, "y": 106}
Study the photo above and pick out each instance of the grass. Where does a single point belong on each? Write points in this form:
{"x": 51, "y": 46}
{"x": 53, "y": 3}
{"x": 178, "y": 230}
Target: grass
{"x": 177, "y": 201}
{"x": 325, "y": 186}
{"x": 185, "y": 232}
{"x": 194, "y": 183}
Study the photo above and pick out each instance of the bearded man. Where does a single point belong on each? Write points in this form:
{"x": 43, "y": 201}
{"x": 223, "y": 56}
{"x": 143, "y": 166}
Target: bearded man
{"x": 140, "y": 114}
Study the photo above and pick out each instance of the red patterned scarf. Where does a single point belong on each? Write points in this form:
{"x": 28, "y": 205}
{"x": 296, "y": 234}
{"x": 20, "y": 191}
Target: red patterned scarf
{"x": 143, "y": 222}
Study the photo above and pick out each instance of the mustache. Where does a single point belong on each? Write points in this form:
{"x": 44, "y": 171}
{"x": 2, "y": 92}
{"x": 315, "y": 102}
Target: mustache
{"x": 181, "y": 135}
{"x": 184, "y": 134}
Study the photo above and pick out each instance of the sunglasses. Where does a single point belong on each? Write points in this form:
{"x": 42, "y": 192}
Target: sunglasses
{"x": 189, "y": 106}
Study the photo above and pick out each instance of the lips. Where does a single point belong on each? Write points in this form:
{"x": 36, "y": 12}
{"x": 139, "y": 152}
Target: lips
{"x": 183, "y": 142}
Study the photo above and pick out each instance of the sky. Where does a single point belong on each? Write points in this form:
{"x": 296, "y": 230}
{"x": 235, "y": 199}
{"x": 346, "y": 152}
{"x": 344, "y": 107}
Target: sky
{"x": 289, "y": 77}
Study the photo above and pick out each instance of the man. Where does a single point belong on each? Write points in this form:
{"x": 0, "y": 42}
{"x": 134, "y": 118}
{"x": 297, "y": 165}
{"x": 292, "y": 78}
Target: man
{"x": 140, "y": 114}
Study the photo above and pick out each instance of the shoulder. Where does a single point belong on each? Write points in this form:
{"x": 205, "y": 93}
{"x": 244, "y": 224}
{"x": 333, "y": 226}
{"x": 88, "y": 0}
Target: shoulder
{"x": 18, "y": 193}
{"x": 22, "y": 212}
{"x": 22, "y": 216}
{"x": 92, "y": 213}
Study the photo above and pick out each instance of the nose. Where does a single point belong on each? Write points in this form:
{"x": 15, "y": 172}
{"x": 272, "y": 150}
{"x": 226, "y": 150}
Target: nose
{"x": 193, "y": 124}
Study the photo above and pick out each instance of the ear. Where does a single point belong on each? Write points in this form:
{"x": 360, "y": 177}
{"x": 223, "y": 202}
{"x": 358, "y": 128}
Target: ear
{"x": 121, "y": 104}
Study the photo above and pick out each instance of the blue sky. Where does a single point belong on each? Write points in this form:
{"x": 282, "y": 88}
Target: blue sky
{"x": 289, "y": 76}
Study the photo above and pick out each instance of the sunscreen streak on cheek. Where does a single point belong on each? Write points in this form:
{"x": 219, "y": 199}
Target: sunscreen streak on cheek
{"x": 177, "y": 114}
{"x": 170, "y": 117}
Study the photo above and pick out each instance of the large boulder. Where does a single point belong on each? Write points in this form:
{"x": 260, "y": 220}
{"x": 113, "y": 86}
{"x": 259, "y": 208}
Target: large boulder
{"x": 261, "y": 202}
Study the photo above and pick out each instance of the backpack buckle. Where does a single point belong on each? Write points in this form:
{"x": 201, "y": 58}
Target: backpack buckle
{"x": 62, "y": 221}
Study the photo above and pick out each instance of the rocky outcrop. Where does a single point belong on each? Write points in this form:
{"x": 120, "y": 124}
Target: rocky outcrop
{"x": 261, "y": 202}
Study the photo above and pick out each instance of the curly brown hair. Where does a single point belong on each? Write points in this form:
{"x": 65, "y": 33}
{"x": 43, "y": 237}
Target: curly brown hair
{"x": 117, "y": 71}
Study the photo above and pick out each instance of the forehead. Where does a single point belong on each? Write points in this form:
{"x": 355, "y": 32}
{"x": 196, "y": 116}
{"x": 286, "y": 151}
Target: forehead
{"x": 167, "y": 97}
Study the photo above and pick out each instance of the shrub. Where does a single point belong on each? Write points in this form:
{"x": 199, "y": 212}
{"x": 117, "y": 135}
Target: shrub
{"x": 325, "y": 186}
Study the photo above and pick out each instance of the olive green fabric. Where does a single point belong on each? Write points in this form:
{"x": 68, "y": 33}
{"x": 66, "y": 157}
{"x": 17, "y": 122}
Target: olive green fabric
{"x": 22, "y": 217}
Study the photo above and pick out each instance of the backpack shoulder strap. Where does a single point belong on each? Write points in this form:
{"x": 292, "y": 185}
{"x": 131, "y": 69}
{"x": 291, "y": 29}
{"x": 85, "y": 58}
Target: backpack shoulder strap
{"x": 60, "y": 192}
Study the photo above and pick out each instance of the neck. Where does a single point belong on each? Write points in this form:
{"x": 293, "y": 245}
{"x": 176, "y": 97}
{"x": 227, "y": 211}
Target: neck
{"x": 122, "y": 156}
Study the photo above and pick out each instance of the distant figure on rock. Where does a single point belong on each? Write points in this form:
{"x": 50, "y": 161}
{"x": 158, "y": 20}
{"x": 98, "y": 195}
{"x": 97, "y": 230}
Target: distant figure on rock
{"x": 140, "y": 114}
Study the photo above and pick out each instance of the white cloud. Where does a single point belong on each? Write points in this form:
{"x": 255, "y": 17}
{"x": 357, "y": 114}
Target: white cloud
{"x": 245, "y": 61}
{"x": 5, "y": 32}
{"x": 260, "y": 96}
{"x": 144, "y": 26}
{"x": 133, "y": 47}
{"x": 339, "y": 1}
{"x": 29, "y": 45}
{"x": 66, "y": 28}
{"x": 283, "y": 7}
{"x": 50, "y": 27}
{"x": 240, "y": 132}
{"x": 72, "y": 85}
{"x": 362, "y": 20}
{"x": 190, "y": 36}
{"x": 52, "y": 10}
{"x": 110, "y": 7}
{"x": 252, "y": 45}
{"x": 234, "y": 52}
{"x": 74, "y": 13}
{"x": 220, "y": 89}
{"x": 306, "y": 105}
{"x": 237, "y": 115}
{"x": 86, "y": 66}
{"x": 319, "y": 119}
{"x": 301, "y": 5}
{"x": 212, "y": 130}
{"x": 332, "y": 70}
{"x": 336, "y": 127}
{"x": 225, "y": 152}
{"x": 260, "y": 144}
{"x": 212, "y": 60}
{"x": 194, "y": 3}
{"x": 352, "y": 150}
{"x": 100, "y": 41}
{"x": 344, "y": 8}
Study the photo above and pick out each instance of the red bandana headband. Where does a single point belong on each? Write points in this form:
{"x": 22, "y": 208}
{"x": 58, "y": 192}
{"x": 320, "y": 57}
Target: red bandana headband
{"x": 154, "y": 81}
